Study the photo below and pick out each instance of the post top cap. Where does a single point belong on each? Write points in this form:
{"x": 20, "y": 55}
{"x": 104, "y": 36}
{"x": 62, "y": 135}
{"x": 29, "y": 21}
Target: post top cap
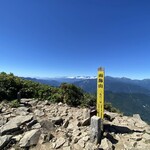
{"x": 100, "y": 69}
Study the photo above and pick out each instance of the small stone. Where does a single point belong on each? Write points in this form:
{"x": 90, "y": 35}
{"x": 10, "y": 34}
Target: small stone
{"x": 25, "y": 100}
{"x": 60, "y": 104}
{"x": 57, "y": 120}
{"x": 7, "y": 116}
{"x": 45, "y": 137}
{"x": 66, "y": 123}
{"x": 75, "y": 139}
{"x": 17, "y": 137}
{"x": 31, "y": 123}
{"x": 46, "y": 102}
{"x": 59, "y": 142}
{"x": 54, "y": 145}
{"x": 76, "y": 132}
{"x": 74, "y": 125}
{"x": 104, "y": 144}
{"x": 110, "y": 116}
{"x": 39, "y": 113}
{"x": 81, "y": 143}
{"x": 86, "y": 138}
{"x": 137, "y": 116}
{"x": 36, "y": 126}
{"x": 47, "y": 125}
{"x": 3, "y": 109}
{"x": 86, "y": 113}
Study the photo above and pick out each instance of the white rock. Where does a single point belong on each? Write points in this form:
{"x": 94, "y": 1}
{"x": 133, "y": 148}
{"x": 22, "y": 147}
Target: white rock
{"x": 105, "y": 144}
{"x": 86, "y": 113}
{"x": 137, "y": 116}
{"x": 39, "y": 113}
{"x": 66, "y": 123}
{"x": 81, "y": 143}
{"x": 36, "y": 126}
{"x": 86, "y": 138}
{"x": 17, "y": 137}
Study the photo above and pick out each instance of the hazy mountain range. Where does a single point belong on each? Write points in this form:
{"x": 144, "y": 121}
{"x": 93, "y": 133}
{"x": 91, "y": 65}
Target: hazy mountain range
{"x": 89, "y": 84}
{"x": 130, "y": 96}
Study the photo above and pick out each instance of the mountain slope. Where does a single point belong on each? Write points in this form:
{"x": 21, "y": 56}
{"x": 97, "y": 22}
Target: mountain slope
{"x": 112, "y": 84}
{"x": 129, "y": 104}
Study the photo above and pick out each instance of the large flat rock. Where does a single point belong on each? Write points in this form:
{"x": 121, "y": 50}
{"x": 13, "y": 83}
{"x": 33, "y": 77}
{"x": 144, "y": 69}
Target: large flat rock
{"x": 30, "y": 138}
{"x": 13, "y": 124}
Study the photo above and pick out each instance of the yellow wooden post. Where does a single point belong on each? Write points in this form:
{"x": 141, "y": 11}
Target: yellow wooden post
{"x": 100, "y": 93}
{"x": 97, "y": 121}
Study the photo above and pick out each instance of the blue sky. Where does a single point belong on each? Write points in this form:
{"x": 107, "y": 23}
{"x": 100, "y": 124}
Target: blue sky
{"x": 48, "y": 38}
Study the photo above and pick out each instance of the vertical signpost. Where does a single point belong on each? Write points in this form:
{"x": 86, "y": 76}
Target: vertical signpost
{"x": 100, "y": 94}
{"x": 97, "y": 121}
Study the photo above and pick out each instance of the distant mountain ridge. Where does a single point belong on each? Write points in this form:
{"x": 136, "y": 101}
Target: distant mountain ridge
{"x": 89, "y": 84}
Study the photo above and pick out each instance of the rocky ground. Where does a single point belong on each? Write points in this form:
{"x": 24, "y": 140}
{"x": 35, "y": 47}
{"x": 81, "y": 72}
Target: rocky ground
{"x": 37, "y": 125}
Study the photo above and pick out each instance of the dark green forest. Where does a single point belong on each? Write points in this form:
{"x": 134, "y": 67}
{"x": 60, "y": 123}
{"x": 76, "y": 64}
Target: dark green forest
{"x": 10, "y": 85}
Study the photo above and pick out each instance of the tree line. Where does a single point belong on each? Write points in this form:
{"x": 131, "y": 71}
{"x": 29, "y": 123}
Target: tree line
{"x": 70, "y": 94}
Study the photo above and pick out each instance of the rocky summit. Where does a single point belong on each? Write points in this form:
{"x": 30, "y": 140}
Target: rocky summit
{"x": 40, "y": 125}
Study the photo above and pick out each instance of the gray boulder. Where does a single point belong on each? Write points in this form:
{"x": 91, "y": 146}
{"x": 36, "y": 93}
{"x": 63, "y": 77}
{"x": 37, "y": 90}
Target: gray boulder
{"x": 2, "y": 121}
{"x": 111, "y": 116}
{"x": 30, "y": 138}
{"x": 4, "y": 140}
{"x": 137, "y": 116}
{"x": 14, "y": 124}
{"x": 22, "y": 111}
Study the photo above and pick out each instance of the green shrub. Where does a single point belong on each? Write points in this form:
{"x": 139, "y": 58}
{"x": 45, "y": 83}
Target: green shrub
{"x": 56, "y": 97}
{"x": 89, "y": 100}
{"x": 14, "y": 103}
{"x": 108, "y": 106}
{"x": 71, "y": 94}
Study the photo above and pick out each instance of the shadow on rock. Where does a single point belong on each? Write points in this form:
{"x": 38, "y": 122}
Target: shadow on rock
{"x": 47, "y": 125}
{"x": 111, "y": 138}
{"x": 117, "y": 129}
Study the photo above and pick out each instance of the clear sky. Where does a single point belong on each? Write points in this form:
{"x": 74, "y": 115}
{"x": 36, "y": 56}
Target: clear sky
{"x": 48, "y": 38}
